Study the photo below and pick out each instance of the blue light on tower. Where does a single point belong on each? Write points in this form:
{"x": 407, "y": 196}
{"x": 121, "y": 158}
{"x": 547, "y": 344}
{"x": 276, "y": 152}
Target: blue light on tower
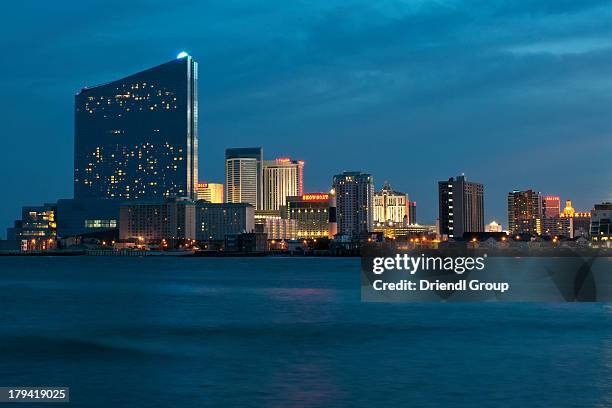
{"x": 182, "y": 54}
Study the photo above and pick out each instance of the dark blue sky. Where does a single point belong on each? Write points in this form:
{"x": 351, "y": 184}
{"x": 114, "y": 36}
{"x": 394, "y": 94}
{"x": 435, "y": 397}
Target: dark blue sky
{"x": 515, "y": 94}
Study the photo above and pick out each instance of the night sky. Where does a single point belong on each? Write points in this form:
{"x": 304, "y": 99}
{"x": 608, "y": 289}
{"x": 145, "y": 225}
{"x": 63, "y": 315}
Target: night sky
{"x": 515, "y": 94}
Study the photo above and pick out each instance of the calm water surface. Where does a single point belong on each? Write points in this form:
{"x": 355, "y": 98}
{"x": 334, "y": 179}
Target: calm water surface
{"x": 278, "y": 332}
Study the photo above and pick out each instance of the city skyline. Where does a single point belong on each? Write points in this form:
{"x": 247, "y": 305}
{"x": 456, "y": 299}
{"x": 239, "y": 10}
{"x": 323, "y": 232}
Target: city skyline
{"x": 289, "y": 116}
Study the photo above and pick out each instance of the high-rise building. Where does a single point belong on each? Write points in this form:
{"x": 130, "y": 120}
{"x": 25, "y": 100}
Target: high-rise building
{"x": 551, "y": 206}
{"x": 151, "y": 221}
{"x": 461, "y": 207}
{"x": 311, "y": 213}
{"x": 211, "y": 192}
{"x": 282, "y": 178}
{"x": 215, "y": 221}
{"x": 244, "y": 176}
{"x": 137, "y": 137}
{"x": 525, "y": 212}
{"x": 354, "y": 203}
{"x": 601, "y": 223}
{"x": 391, "y": 206}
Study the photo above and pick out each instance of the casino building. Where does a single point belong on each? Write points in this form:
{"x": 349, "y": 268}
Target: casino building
{"x": 282, "y": 178}
{"x": 137, "y": 137}
{"x": 311, "y": 212}
{"x": 211, "y": 192}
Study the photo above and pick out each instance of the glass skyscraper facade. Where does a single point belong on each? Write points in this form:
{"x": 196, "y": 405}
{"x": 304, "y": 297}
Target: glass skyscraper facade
{"x": 137, "y": 137}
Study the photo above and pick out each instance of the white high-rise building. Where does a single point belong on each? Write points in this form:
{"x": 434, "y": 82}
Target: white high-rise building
{"x": 282, "y": 178}
{"x": 391, "y": 206}
{"x": 243, "y": 176}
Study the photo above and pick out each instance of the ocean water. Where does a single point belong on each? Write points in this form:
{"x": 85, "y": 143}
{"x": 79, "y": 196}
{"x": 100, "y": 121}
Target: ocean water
{"x": 280, "y": 332}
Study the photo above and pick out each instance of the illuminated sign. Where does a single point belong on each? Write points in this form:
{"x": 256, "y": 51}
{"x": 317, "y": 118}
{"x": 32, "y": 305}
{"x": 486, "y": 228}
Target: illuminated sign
{"x": 315, "y": 197}
{"x": 283, "y": 160}
{"x": 202, "y": 185}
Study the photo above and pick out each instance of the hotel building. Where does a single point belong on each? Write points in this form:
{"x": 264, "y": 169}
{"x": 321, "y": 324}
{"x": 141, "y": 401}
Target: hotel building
{"x": 391, "y": 207}
{"x": 568, "y": 223}
{"x": 137, "y": 137}
{"x": 244, "y": 176}
{"x": 461, "y": 207}
{"x": 215, "y": 221}
{"x": 551, "y": 206}
{"x": 151, "y": 221}
{"x": 354, "y": 203}
{"x": 311, "y": 213}
{"x": 282, "y": 178}
{"x": 211, "y": 192}
{"x": 493, "y": 227}
{"x": 525, "y": 212}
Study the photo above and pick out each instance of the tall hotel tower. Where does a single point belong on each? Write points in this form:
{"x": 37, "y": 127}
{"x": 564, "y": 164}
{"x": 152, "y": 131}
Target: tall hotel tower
{"x": 243, "y": 176}
{"x": 282, "y": 178}
{"x": 137, "y": 137}
{"x": 461, "y": 207}
{"x": 354, "y": 203}
{"x": 525, "y": 212}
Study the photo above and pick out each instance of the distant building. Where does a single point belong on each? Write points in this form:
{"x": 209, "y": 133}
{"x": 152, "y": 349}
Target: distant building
{"x": 354, "y": 203}
{"x": 151, "y": 221}
{"x": 461, "y": 207}
{"x": 215, "y": 221}
{"x": 282, "y": 178}
{"x": 391, "y": 206}
{"x": 211, "y": 192}
{"x": 137, "y": 137}
{"x": 493, "y": 227}
{"x": 244, "y": 176}
{"x": 525, "y": 212}
{"x": 37, "y": 228}
{"x": 310, "y": 212}
{"x": 601, "y": 223}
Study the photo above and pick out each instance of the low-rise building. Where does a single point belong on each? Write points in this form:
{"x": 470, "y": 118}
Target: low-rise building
{"x": 400, "y": 231}
{"x": 601, "y": 223}
{"x": 215, "y": 221}
{"x": 77, "y": 217}
{"x": 37, "y": 228}
{"x": 246, "y": 242}
{"x": 169, "y": 220}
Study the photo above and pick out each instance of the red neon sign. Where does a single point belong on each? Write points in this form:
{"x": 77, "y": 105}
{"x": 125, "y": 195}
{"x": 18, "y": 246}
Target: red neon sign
{"x": 315, "y": 197}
